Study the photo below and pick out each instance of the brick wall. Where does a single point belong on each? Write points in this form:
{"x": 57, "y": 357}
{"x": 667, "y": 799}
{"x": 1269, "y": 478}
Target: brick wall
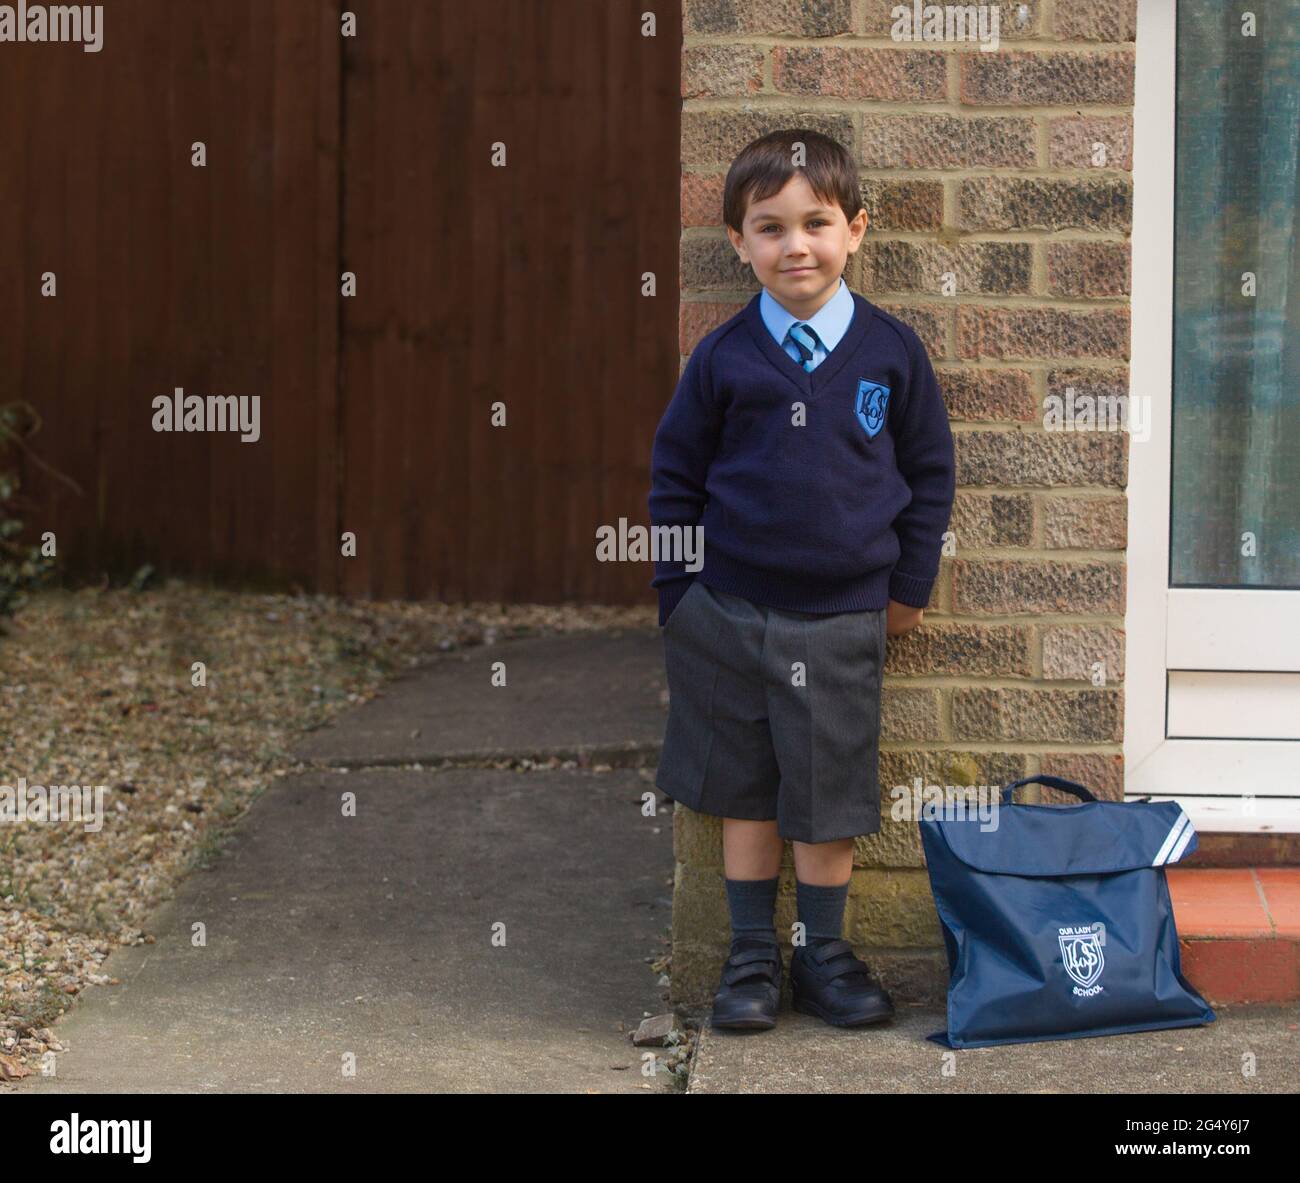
{"x": 983, "y": 165}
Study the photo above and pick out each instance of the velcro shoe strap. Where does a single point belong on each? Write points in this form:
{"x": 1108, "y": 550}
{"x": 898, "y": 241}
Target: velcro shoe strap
{"x": 823, "y": 953}
{"x": 850, "y": 966}
{"x": 753, "y": 963}
{"x": 749, "y": 956}
{"x": 740, "y": 973}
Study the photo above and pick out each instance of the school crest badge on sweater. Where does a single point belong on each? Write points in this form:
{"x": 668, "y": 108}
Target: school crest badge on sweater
{"x": 869, "y": 405}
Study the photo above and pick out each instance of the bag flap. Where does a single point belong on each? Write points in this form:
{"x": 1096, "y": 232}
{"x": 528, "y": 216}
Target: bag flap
{"x": 1096, "y": 838}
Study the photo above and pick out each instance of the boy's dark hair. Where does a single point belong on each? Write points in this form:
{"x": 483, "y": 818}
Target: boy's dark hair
{"x": 763, "y": 167}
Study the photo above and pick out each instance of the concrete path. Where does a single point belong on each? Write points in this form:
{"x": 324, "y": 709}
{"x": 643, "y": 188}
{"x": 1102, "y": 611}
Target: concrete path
{"x": 601, "y": 696}
{"x": 371, "y": 936}
{"x": 804, "y": 1055}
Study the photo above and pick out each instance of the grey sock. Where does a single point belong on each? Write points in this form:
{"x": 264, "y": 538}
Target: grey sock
{"x": 821, "y": 910}
{"x": 753, "y": 908}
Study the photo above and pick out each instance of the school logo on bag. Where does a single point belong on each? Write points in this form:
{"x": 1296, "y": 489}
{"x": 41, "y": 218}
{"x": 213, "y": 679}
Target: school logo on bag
{"x": 869, "y": 405}
{"x": 1082, "y": 953}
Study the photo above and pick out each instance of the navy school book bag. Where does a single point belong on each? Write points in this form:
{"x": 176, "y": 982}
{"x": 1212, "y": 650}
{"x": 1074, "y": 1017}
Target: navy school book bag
{"x": 1057, "y": 921}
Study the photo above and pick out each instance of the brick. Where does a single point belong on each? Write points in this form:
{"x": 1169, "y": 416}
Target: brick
{"x": 1016, "y": 21}
{"x": 1034, "y": 333}
{"x": 892, "y": 909}
{"x": 697, "y": 837}
{"x": 1228, "y": 970}
{"x": 939, "y": 596}
{"x": 1070, "y": 650}
{"x": 1017, "y": 458}
{"x": 721, "y": 70}
{"x": 1103, "y": 391}
{"x": 885, "y": 75}
{"x": 714, "y": 138}
{"x": 702, "y": 199}
{"x": 1088, "y": 269}
{"x": 1101, "y": 773}
{"x": 909, "y": 715}
{"x": 1046, "y": 77}
{"x": 994, "y": 268}
{"x": 1045, "y": 203}
{"x": 983, "y": 396}
{"x": 1086, "y": 523}
{"x": 698, "y": 318}
{"x": 1071, "y": 141}
{"x": 1073, "y": 410}
{"x": 900, "y": 768}
{"x": 1002, "y": 587}
{"x": 1097, "y": 383}
{"x": 711, "y": 264}
{"x": 895, "y": 844}
{"x": 948, "y": 141}
{"x": 992, "y": 519}
{"x": 930, "y": 323}
{"x": 791, "y": 18}
{"x": 979, "y": 650}
{"x": 699, "y": 904}
{"x": 1027, "y": 716}
{"x": 902, "y": 205}
{"x": 695, "y": 969}
{"x": 1098, "y": 20}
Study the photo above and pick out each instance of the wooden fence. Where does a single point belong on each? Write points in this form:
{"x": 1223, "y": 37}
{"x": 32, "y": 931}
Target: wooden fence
{"x": 475, "y": 285}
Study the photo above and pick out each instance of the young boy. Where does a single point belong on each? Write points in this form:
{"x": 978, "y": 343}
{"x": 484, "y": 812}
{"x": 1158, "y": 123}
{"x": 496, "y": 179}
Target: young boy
{"x": 809, "y": 441}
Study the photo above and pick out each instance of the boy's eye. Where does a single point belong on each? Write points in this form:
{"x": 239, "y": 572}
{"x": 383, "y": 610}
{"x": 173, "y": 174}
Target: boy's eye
{"x": 774, "y": 226}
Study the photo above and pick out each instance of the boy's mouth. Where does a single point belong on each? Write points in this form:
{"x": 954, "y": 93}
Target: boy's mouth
{"x": 798, "y": 270}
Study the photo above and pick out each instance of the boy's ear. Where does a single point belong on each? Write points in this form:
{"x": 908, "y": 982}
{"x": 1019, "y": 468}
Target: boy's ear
{"x": 857, "y": 229}
{"x": 738, "y": 242}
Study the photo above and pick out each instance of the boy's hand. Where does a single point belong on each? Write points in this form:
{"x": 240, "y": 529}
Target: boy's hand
{"x": 901, "y": 618}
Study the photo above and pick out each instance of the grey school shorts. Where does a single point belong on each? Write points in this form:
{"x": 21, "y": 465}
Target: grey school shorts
{"x": 746, "y": 740}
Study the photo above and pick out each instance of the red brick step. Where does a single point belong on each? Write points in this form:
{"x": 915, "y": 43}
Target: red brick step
{"x": 1239, "y": 931}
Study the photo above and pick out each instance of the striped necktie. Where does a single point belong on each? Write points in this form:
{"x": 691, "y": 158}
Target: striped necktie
{"x": 805, "y": 340}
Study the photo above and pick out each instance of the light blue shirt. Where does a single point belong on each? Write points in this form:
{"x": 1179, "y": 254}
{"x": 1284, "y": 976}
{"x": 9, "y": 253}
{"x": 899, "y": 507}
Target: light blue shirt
{"x": 830, "y": 322}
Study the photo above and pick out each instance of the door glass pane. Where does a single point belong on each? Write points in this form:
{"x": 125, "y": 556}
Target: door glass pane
{"x": 1236, "y": 380}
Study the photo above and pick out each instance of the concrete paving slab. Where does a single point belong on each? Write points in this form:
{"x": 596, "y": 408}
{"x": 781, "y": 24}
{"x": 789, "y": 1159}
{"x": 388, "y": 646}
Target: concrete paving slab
{"x": 372, "y": 935}
{"x": 603, "y": 695}
{"x": 804, "y": 1055}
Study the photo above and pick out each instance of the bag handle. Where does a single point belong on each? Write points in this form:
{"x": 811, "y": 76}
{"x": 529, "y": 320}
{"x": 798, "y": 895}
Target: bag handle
{"x": 1052, "y": 782}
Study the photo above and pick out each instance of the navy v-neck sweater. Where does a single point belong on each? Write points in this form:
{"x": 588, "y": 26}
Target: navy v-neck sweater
{"x": 839, "y": 514}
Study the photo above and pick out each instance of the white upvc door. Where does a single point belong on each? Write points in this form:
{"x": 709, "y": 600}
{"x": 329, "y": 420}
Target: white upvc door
{"x": 1212, "y": 671}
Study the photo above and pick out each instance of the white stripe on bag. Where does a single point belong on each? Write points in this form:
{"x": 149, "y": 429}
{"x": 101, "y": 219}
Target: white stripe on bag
{"x": 1182, "y": 844}
{"x": 1163, "y": 853}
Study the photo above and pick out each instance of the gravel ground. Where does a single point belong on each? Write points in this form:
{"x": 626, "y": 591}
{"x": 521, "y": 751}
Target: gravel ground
{"x": 96, "y": 689}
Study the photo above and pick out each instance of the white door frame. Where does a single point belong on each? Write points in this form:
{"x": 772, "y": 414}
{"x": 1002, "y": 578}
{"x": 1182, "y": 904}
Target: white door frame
{"x": 1223, "y": 784}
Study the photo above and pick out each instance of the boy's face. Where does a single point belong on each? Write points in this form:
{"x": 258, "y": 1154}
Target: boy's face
{"x": 798, "y": 245}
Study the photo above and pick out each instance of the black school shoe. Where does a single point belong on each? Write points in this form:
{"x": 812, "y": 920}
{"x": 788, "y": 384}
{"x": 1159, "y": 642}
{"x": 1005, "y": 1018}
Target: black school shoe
{"x": 750, "y": 989}
{"x": 829, "y": 981}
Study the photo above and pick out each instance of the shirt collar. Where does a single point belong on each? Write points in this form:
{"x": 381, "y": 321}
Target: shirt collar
{"x": 830, "y": 322}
